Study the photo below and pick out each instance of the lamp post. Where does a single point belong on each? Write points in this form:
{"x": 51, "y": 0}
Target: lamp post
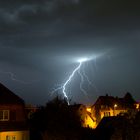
{"x": 115, "y": 106}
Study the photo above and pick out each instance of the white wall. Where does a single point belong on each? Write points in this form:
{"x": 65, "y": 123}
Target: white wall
{"x": 18, "y": 135}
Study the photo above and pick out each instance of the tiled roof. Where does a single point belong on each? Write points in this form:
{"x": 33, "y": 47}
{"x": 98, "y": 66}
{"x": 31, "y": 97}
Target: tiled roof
{"x": 8, "y": 97}
{"x": 111, "y": 101}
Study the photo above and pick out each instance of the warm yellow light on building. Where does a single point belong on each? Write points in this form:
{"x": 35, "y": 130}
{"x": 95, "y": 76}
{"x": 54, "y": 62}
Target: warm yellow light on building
{"x": 89, "y": 122}
{"x": 137, "y": 106}
{"x": 88, "y": 109}
{"x": 14, "y": 135}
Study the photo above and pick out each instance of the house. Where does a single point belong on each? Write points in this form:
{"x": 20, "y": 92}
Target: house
{"x": 85, "y": 115}
{"x": 137, "y": 105}
{"x": 13, "y": 125}
{"x": 107, "y": 106}
{"x": 119, "y": 128}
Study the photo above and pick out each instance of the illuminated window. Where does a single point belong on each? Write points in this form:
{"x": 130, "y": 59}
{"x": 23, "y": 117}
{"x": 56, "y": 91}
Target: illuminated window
{"x": 4, "y": 115}
{"x": 13, "y": 137}
{"x": 137, "y": 106}
{"x": 7, "y": 137}
{"x": 106, "y": 114}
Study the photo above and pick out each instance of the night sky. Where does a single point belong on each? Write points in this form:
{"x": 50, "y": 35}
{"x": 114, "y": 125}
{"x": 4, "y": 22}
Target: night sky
{"x": 40, "y": 41}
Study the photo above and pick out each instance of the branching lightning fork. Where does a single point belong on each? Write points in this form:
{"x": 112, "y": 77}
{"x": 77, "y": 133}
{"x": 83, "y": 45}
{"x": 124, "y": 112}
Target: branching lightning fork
{"x": 77, "y": 69}
{"x": 69, "y": 79}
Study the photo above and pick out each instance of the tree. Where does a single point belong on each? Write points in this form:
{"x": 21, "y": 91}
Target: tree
{"x": 128, "y": 100}
{"x": 55, "y": 118}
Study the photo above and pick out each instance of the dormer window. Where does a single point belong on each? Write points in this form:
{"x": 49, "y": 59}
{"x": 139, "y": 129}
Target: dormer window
{"x": 4, "y": 115}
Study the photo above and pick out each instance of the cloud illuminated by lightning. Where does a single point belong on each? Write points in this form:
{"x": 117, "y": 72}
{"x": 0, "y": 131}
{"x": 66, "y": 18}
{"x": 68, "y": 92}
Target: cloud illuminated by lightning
{"x": 81, "y": 60}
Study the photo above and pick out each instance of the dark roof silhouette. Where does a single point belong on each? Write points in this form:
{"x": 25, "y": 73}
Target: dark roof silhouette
{"x": 8, "y": 97}
{"x": 110, "y": 101}
{"x": 14, "y": 126}
{"x": 117, "y": 126}
{"x": 113, "y": 121}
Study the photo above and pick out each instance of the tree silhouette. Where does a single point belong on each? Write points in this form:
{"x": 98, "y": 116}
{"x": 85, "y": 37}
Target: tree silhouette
{"x": 129, "y": 101}
{"x": 55, "y": 118}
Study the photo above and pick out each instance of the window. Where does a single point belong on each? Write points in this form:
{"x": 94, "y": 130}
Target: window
{"x": 4, "y": 115}
{"x": 7, "y": 137}
{"x": 10, "y": 137}
{"x": 106, "y": 114}
{"x": 13, "y": 137}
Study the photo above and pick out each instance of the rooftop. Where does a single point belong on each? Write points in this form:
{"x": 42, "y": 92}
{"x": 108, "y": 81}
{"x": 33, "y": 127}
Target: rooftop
{"x": 8, "y": 97}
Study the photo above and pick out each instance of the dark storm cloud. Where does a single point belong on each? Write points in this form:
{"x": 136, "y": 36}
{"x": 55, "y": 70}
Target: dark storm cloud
{"x": 36, "y": 11}
{"x": 32, "y": 11}
{"x": 41, "y": 23}
{"x": 52, "y": 16}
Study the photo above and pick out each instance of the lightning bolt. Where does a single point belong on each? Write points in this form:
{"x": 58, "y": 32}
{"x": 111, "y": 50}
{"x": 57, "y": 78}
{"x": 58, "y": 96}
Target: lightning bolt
{"x": 82, "y": 77}
{"x": 63, "y": 87}
{"x": 69, "y": 79}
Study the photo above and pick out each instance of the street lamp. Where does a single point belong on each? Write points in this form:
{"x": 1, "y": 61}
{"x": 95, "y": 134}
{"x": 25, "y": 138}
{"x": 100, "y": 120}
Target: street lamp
{"x": 115, "y": 106}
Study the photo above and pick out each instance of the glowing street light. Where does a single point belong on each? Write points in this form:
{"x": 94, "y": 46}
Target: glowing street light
{"x": 115, "y": 105}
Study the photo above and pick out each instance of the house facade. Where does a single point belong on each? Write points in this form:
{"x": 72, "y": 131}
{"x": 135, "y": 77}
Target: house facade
{"x": 107, "y": 106}
{"x": 85, "y": 115}
{"x": 13, "y": 125}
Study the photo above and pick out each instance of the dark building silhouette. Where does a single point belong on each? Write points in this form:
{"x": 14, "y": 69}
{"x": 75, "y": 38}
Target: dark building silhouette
{"x": 13, "y": 124}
